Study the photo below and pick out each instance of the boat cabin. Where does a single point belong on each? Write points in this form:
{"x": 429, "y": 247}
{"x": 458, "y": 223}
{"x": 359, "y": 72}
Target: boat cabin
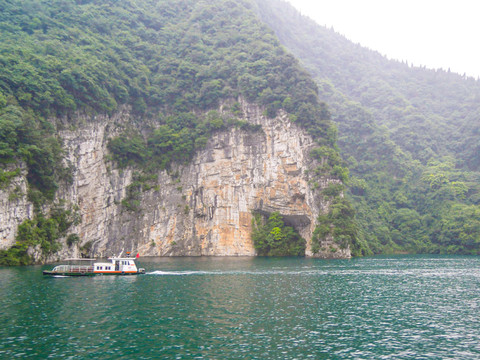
{"x": 116, "y": 265}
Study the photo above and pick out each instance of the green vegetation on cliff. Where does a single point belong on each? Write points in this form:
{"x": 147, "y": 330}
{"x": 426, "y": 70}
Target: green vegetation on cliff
{"x": 271, "y": 237}
{"x": 409, "y": 136}
{"x": 41, "y": 234}
{"x": 175, "y": 140}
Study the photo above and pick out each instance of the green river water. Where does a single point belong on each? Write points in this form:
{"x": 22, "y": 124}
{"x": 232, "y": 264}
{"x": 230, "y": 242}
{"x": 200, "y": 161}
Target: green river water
{"x": 404, "y": 307}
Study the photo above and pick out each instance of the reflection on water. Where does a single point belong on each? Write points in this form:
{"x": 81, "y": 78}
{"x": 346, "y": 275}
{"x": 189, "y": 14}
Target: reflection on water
{"x": 406, "y": 307}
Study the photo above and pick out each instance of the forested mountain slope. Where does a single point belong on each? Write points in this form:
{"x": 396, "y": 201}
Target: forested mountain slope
{"x": 440, "y": 107}
{"x": 410, "y": 137}
{"x": 176, "y": 71}
{"x": 159, "y": 57}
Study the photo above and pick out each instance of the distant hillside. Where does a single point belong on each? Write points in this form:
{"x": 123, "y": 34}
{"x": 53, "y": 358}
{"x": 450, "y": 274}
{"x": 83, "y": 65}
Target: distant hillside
{"x": 410, "y": 137}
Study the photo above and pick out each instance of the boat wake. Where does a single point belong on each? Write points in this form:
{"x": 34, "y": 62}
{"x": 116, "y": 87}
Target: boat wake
{"x": 184, "y": 273}
{"x": 332, "y": 272}
{"x": 223, "y": 272}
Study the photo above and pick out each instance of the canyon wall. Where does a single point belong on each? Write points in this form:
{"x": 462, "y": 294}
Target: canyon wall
{"x": 202, "y": 208}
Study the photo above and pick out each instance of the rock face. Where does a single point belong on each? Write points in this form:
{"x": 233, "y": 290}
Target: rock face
{"x": 14, "y": 207}
{"x": 204, "y": 208}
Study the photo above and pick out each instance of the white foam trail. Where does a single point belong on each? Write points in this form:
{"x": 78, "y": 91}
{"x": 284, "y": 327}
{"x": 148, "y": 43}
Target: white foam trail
{"x": 233, "y": 272}
{"x": 411, "y": 272}
{"x": 182, "y": 273}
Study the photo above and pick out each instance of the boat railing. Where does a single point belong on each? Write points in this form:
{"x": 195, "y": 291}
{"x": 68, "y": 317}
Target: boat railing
{"x": 74, "y": 269}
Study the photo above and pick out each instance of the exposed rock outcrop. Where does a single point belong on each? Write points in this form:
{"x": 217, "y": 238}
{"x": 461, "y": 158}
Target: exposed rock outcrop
{"x": 14, "y": 207}
{"x": 205, "y": 208}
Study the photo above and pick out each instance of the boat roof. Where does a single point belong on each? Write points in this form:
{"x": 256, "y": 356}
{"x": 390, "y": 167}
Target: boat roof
{"x": 93, "y": 259}
{"x": 79, "y": 259}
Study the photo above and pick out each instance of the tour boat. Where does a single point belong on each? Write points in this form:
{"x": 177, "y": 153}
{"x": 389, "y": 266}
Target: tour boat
{"x": 116, "y": 266}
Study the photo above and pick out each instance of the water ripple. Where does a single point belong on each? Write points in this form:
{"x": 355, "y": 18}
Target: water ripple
{"x": 372, "y": 308}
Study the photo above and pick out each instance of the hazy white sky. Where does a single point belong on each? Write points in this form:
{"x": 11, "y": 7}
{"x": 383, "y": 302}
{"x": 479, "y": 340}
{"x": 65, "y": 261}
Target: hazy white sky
{"x": 435, "y": 33}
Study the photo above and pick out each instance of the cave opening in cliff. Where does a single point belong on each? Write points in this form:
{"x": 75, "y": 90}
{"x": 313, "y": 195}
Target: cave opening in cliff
{"x": 274, "y": 234}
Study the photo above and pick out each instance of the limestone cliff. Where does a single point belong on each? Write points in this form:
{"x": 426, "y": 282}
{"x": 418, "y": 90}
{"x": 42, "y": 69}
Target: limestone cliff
{"x": 204, "y": 208}
{"x": 14, "y": 207}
